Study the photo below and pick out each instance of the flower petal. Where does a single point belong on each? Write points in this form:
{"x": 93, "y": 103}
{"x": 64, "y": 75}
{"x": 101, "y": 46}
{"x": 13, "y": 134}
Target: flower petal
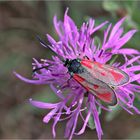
{"x": 37, "y": 82}
{"x": 131, "y": 61}
{"x": 116, "y": 27}
{"x": 98, "y": 27}
{"x": 43, "y": 105}
{"x": 127, "y": 51}
{"x": 125, "y": 38}
{"x": 96, "y": 117}
{"x": 85, "y": 123}
{"x": 135, "y": 78}
{"x": 133, "y": 69}
{"x": 47, "y": 118}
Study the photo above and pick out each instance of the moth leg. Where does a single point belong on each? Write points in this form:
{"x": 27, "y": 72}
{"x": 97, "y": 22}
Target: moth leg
{"x": 86, "y": 94}
{"x": 85, "y": 57}
{"x": 113, "y": 87}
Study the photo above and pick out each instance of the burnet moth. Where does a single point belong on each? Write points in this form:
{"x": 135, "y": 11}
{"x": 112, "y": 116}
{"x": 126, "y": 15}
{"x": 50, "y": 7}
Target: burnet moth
{"x": 98, "y": 79}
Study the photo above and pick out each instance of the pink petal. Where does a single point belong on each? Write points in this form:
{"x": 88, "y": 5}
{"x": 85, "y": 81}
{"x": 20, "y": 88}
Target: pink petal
{"x": 57, "y": 26}
{"x": 106, "y": 34}
{"x": 128, "y": 51}
{"x": 85, "y": 124}
{"x": 125, "y": 38}
{"x": 131, "y": 61}
{"x": 49, "y": 116}
{"x": 43, "y": 105}
{"x": 135, "y": 78}
{"x": 51, "y": 40}
{"x": 116, "y": 27}
{"x": 98, "y": 27}
{"x": 96, "y": 117}
{"x": 134, "y": 68}
{"x": 37, "y": 82}
{"x": 56, "y": 119}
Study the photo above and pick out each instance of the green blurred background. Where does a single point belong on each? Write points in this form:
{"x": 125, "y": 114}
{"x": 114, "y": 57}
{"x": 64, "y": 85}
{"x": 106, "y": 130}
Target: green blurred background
{"x": 20, "y": 22}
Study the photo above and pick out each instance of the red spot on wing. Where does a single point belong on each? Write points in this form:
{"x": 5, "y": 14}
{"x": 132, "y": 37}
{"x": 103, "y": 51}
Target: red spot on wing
{"x": 87, "y": 63}
{"x": 81, "y": 81}
{"x": 98, "y": 64}
{"x": 103, "y": 74}
{"x": 78, "y": 78}
{"x": 117, "y": 76}
{"x": 107, "y": 97}
{"x": 87, "y": 88}
{"x": 95, "y": 86}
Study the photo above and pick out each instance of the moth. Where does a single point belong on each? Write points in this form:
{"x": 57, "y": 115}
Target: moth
{"x": 98, "y": 79}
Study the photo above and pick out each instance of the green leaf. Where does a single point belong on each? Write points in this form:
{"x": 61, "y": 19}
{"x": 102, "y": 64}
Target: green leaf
{"x": 115, "y": 111}
{"x": 113, "y": 59}
{"x": 97, "y": 41}
{"x": 137, "y": 102}
{"x": 110, "y": 5}
{"x": 91, "y": 122}
{"x": 46, "y": 95}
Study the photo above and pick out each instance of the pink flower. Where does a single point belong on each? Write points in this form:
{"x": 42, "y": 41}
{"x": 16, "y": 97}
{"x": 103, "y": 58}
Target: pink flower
{"x": 72, "y": 43}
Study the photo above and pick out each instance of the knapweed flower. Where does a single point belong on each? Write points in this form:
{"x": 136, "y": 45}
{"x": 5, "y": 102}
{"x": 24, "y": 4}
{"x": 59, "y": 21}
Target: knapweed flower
{"x": 76, "y": 43}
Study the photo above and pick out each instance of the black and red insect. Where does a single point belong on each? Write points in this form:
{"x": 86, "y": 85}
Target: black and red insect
{"x": 98, "y": 79}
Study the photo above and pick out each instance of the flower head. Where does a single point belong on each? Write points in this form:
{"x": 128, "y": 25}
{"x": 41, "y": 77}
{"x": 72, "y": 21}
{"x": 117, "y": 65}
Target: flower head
{"x": 77, "y": 43}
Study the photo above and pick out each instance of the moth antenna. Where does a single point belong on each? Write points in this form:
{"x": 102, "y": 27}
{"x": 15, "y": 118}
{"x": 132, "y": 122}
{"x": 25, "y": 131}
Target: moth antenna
{"x": 36, "y": 69}
{"x": 43, "y": 43}
{"x": 46, "y": 45}
{"x": 85, "y": 57}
